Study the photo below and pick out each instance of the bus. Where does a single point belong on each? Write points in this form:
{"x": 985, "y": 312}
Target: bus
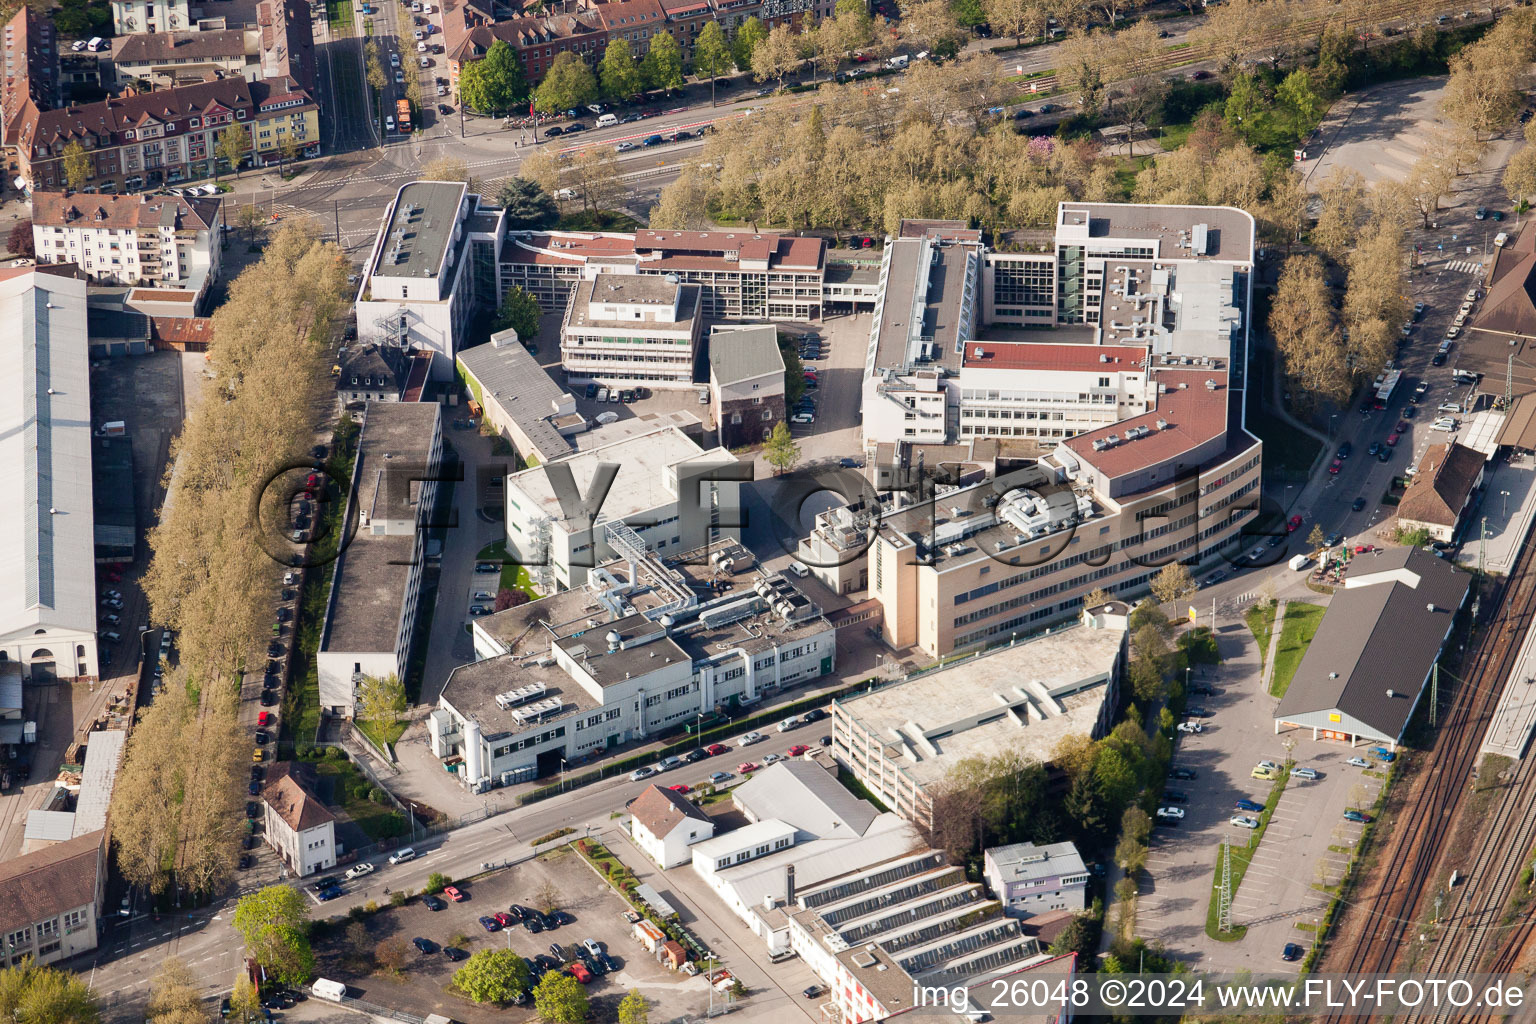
{"x": 403, "y": 115}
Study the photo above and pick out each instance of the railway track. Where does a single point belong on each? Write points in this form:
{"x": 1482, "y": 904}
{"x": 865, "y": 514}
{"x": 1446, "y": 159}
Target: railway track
{"x": 1409, "y": 863}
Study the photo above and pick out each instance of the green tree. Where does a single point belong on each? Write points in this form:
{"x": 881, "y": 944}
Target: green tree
{"x": 1316, "y": 540}
{"x": 619, "y": 76}
{"x": 663, "y": 64}
{"x": 288, "y": 151}
{"x": 46, "y": 996}
{"x": 274, "y": 922}
{"x": 776, "y": 55}
{"x": 493, "y": 976}
{"x": 77, "y": 166}
{"x": 559, "y": 998}
{"x": 781, "y": 451}
{"x": 496, "y": 82}
{"x": 244, "y": 1002}
{"x": 711, "y": 55}
{"x": 1302, "y": 104}
{"x": 519, "y": 311}
{"x": 568, "y": 83}
{"x": 748, "y": 36}
{"x": 968, "y": 12}
{"x": 528, "y": 206}
{"x": 381, "y": 699}
{"x": 436, "y": 883}
{"x": 234, "y": 145}
{"x": 634, "y": 1009}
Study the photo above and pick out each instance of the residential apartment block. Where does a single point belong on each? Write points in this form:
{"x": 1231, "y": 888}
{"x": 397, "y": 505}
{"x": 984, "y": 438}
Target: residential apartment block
{"x": 371, "y": 612}
{"x": 130, "y": 16}
{"x": 30, "y": 45}
{"x": 646, "y": 645}
{"x": 624, "y": 329}
{"x": 297, "y": 824}
{"x": 163, "y": 241}
{"x": 277, "y": 42}
{"x": 431, "y": 268}
{"x": 743, "y": 275}
{"x": 1029, "y": 879}
{"x": 50, "y": 900}
{"x": 146, "y": 140}
{"x": 903, "y": 741}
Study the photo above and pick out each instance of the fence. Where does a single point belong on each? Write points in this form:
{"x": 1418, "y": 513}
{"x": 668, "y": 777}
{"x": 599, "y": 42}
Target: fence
{"x": 382, "y": 1011}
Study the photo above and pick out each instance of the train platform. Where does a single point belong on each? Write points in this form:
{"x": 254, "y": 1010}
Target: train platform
{"x": 1509, "y": 730}
{"x": 1506, "y": 517}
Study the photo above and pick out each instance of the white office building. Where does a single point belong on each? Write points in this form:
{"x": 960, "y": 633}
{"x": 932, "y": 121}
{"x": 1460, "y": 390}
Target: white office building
{"x": 432, "y": 266}
{"x": 622, "y": 330}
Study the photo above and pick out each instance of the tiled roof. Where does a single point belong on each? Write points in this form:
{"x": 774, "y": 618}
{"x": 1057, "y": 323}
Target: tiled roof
{"x": 992, "y": 355}
{"x": 147, "y": 47}
{"x": 293, "y": 803}
{"x": 79, "y": 210}
{"x": 182, "y": 329}
{"x": 1191, "y": 414}
{"x": 1439, "y": 491}
{"x": 660, "y": 810}
{"x": 1510, "y": 307}
{"x": 47, "y": 883}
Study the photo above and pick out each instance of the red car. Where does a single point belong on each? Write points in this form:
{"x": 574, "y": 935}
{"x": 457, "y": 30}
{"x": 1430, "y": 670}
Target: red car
{"x": 681, "y": 787}
{"x": 264, "y": 718}
{"x": 311, "y": 480}
{"x": 861, "y": 58}
{"x": 505, "y": 920}
{"x": 797, "y": 750}
{"x": 716, "y": 748}
{"x": 580, "y": 973}
{"x": 1293, "y": 524}
{"x": 1364, "y": 549}
{"x": 748, "y": 766}
{"x": 1392, "y": 440}
{"x": 1402, "y": 427}
{"x": 453, "y": 893}
{"x": 1337, "y": 465}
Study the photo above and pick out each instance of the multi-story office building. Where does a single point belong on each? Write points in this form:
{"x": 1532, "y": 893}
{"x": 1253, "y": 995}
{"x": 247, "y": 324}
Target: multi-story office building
{"x": 375, "y": 597}
{"x": 743, "y": 275}
{"x": 647, "y": 645}
{"x": 145, "y": 140}
{"x": 903, "y": 742}
{"x": 165, "y": 241}
{"x": 624, "y": 329}
{"x": 653, "y": 482}
{"x": 1029, "y": 879}
{"x": 1127, "y": 413}
{"x": 746, "y": 382}
{"x": 429, "y": 271}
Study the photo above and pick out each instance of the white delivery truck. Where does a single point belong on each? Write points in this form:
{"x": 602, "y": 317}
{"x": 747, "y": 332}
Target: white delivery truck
{"x": 332, "y": 990}
{"x": 1299, "y": 562}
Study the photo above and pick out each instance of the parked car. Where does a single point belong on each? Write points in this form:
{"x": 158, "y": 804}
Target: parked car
{"x": 1292, "y": 952}
{"x": 1243, "y": 821}
{"x": 1248, "y": 805}
{"x": 1171, "y": 813}
{"x": 1175, "y": 796}
{"x": 718, "y": 777}
{"x": 641, "y": 773}
{"x": 1358, "y": 762}
{"x": 490, "y": 924}
{"x": 454, "y": 894}
{"x": 715, "y": 749}
{"x": 424, "y": 945}
{"x": 748, "y": 766}
{"x": 749, "y": 739}
{"x": 1304, "y": 773}
{"x": 1187, "y": 774}
{"x": 1356, "y": 816}
{"x": 1191, "y": 726}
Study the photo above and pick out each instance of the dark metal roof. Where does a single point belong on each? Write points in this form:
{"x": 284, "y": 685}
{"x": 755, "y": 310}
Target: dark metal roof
{"x": 1381, "y": 633}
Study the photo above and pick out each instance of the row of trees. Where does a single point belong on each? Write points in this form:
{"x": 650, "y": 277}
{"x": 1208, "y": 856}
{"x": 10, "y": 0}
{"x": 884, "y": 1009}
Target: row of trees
{"x": 211, "y": 578}
{"x": 862, "y": 160}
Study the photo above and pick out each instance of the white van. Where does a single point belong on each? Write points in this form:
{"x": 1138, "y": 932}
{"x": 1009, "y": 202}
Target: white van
{"x": 401, "y": 856}
{"x": 389, "y": 122}
{"x": 332, "y": 990}
{"x": 607, "y": 120}
{"x": 1501, "y": 239}
{"x": 1299, "y": 562}
{"x": 898, "y": 62}
{"x": 789, "y": 723}
{"x": 97, "y": 44}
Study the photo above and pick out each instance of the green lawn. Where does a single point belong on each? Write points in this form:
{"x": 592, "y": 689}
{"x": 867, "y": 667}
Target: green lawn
{"x": 379, "y": 820}
{"x": 383, "y": 736}
{"x": 513, "y": 575}
{"x": 1241, "y": 858}
{"x": 339, "y": 14}
{"x": 1261, "y": 623}
{"x": 1301, "y": 622}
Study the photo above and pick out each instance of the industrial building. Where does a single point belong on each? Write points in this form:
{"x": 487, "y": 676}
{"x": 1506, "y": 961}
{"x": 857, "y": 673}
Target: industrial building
{"x": 375, "y": 596}
{"x": 647, "y": 645}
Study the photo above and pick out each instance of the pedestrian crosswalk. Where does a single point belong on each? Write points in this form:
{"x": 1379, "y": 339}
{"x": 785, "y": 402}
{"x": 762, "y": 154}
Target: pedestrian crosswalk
{"x": 1464, "y": 267}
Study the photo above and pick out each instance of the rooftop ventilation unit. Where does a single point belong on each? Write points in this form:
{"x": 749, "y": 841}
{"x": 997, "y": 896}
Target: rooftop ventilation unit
{"x": 521, "y": 695}
{"x": 1200, "y": 240}
{"x": 538, "y": 711}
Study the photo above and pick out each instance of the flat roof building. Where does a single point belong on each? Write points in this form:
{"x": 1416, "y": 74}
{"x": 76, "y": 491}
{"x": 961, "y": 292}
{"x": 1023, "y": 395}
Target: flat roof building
{"x": 624, "y": 329}
{"x": 371, "y": 612}
{"x": 644, "y": 647}
{"x": 1030, "y": 879}
{"x": 655, "y": 482}
{"x": 47, "y": 537}
{"x": 521, "y": 401}
{"x": 903, "y": 741}
{"x": 430, "y": 270}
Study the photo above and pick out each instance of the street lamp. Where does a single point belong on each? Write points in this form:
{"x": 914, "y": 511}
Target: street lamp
{"x": 1505, "y": 495}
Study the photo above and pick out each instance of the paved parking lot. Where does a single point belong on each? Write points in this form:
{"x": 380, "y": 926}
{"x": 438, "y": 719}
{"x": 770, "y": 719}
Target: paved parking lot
{"x": 423, "y": 987}
{"x": 1278, "y": 890}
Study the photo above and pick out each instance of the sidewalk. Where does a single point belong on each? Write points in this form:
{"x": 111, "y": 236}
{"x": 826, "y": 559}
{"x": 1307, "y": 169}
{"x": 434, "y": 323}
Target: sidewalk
{"x": 1508, "y": 519}
{"x": 1274, "y": 647}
